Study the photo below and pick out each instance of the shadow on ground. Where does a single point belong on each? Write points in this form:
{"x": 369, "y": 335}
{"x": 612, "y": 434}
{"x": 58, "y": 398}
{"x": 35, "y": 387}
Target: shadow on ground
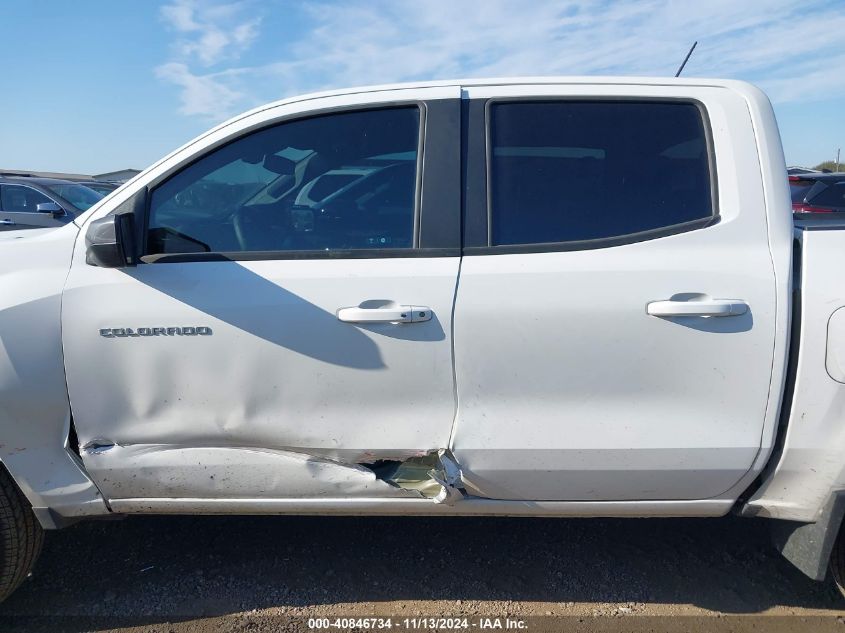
{"x": 157, "y": 569}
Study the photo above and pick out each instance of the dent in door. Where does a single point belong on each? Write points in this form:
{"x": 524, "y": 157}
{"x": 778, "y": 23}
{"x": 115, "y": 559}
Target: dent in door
{"x": 160, "y": 471}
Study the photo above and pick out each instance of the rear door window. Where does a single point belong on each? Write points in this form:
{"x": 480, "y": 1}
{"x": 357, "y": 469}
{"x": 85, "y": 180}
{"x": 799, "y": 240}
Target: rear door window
{"x": 572, "y": 171}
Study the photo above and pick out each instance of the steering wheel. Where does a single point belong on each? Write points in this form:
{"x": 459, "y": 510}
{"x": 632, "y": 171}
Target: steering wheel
{"x": 262, "y": 227}
{"x": 240, "y": 230}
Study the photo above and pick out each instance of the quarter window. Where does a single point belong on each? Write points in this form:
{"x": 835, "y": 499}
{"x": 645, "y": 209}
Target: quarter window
{"x": 569, "y": 171}
{"x": 342, "y": 181}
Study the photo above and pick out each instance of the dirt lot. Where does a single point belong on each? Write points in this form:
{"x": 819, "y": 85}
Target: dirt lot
{"x": 252, "y": 573}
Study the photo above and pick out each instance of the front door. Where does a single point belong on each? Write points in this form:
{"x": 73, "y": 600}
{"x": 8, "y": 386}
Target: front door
{"x": 289, "y": 326}
{"x": 18, "y": 209}
{"x": 615, "y": 322}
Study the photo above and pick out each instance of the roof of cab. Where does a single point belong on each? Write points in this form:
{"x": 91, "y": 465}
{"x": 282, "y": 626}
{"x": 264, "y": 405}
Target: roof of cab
{"x": 740, "y": 86}
{"x": 748, "y": 90}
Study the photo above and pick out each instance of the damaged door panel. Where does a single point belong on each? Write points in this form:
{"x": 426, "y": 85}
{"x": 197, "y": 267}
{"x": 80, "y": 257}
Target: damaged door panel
{"x": 156, "y": 471}
{"x": 232, "y": 373}
{"x": 146, "y": 470}
{"x": 350, "y": 391}
{"x": 435, "y": 476}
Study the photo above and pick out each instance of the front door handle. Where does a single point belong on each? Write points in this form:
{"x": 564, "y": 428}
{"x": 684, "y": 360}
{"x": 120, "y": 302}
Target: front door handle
{"x": 8, "y": 222}
{"x": 390, "y": 313}
{"x": 697, "y": 308}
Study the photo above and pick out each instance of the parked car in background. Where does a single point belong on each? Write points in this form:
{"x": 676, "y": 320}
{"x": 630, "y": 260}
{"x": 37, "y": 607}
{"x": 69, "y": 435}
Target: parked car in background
{"x": 100, "y": 186}
{"x": 30, "y": 203}
{"x": 801, "y": 170}
{"x": 818, "y": 193}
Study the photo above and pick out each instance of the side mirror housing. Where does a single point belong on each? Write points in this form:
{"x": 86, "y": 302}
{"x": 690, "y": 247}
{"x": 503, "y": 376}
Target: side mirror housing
{"x": 49, "y": 207}
{"x": 110, "y": 241}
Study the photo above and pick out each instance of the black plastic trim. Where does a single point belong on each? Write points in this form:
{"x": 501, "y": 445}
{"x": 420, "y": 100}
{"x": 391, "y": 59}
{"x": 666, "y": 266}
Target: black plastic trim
{"x": 788, "y": 390}
{"x": 585, "y": 245}
{"x": 136, "y": 206}
{"x": 474, "y": 170}
{"x": 110, "y": 243}
{"x": 808, "y": 545}
{"x": 833, "y": 221}
{"x": 440, "y": 205}
{"x": 254, "y": 256}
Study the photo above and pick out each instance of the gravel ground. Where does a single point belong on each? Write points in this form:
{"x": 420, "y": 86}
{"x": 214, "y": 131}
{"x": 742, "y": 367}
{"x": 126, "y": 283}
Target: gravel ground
{"x": 235, "y": 573}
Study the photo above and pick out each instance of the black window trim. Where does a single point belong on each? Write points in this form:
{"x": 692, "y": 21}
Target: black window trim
{"x": 253, "y": 256}
{"x": 605, "y": 242}
{"x": 376, "y": 253}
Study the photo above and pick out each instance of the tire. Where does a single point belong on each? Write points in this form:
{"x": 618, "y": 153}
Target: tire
{"x": 837, "y": 562}
{"x": 21, "y": 536}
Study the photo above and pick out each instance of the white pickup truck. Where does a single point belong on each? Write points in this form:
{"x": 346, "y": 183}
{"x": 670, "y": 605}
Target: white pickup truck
{"x": 536, "y": 297}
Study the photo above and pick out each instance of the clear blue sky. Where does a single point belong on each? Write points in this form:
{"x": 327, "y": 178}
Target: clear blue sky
{"x": 96, "y": 85}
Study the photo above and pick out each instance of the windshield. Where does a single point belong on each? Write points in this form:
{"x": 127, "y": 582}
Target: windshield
{"x": 102, "y": 188}
{"x": 79, "y": 196}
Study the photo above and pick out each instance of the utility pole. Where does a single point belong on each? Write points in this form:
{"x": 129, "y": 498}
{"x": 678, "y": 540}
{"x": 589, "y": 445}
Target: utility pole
{"x": 837, "y": 159}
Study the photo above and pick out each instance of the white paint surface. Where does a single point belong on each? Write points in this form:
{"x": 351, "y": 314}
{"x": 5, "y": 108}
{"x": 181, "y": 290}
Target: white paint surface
{"x": 568, "y": 389}
{"x": 145, "y": 470}
{"x": 811, "y": 465}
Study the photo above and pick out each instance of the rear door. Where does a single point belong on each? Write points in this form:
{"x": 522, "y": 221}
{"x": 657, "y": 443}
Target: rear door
{"x": 614, "y": 325}
{"x": 270, "y": 342}
{"x": 18, "y": 209}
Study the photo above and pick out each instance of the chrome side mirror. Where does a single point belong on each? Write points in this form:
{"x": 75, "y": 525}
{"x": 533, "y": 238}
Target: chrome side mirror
{"x": 49, "y": 207}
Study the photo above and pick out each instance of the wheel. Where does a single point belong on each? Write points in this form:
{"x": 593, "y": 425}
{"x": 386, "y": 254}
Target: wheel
{"x": 837, "y": 562}
{"x": 21, "y": 536}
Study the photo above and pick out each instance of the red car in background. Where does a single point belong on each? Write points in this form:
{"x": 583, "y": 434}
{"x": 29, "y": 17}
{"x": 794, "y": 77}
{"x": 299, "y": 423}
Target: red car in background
{"x": 817, "y": 193}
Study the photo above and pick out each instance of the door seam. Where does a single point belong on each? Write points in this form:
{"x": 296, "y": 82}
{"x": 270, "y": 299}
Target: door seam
{"x": 454, "y": 368}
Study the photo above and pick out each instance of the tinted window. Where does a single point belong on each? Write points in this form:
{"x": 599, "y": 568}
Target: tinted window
{"x": 79, "y": 196}
{"x": 569, "y": 171}
{"x": 17, "y": 198}
{"x": 833, "y": 195}
{"x": 799, "y": 188}
{"x": 339, "y": 181}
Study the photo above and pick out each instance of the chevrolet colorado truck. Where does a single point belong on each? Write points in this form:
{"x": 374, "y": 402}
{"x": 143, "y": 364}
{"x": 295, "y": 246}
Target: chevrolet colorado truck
{"x": 535, "y": 297}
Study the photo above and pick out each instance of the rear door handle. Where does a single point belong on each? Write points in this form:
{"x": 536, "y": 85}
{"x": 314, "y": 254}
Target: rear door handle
{"x": 8, "y": 223}
{"x": 392, "y": 313}
{"x": 701, "y": 308}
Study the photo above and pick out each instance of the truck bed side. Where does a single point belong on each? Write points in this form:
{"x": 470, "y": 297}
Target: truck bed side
{"x": 810, "y": 466}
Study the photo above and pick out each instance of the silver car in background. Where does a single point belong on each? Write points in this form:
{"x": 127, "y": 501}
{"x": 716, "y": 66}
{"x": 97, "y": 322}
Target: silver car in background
{"x": 33, "y": 203}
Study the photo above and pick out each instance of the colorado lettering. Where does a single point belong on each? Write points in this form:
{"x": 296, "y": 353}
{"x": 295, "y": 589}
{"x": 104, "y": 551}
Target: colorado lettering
{"x": 124, "y": 332}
